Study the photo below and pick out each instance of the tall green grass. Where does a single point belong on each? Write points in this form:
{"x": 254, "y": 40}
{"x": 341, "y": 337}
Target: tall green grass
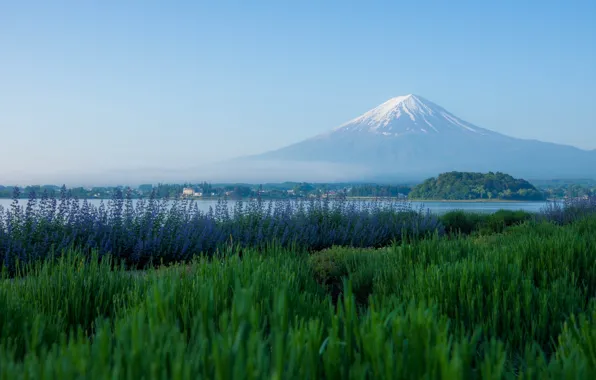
{"x": 513, "y": 305}
{"x": 466, "y": 223}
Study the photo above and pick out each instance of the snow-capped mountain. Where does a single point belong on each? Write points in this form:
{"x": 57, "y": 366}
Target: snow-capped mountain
{"x": 409, "y": 136}
{"x": 407, "y": 115}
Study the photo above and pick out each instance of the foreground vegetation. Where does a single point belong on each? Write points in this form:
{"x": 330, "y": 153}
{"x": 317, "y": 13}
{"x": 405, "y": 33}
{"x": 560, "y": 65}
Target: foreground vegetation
{"x": 154, "y": 230}
{"x": 507, "y": 295}
{"x": 518, "y": 304}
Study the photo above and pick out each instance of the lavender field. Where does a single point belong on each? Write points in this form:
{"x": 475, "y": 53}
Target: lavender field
{"x": 154, "y": 230}
{"x": 436, "y": 207}
{"x": 159, "y": 230}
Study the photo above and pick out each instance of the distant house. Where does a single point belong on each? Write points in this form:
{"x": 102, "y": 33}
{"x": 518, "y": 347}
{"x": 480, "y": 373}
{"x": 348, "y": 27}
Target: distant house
{"x": 198, "y": 194}
{"x": 187, "y": 191}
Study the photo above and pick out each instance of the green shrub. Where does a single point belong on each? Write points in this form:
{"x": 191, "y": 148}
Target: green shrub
{"x": 498, "y": 221}
{"x": 460, "y": 221}
{"x": 332, "y": 266}
{"x": 466, "y": 223}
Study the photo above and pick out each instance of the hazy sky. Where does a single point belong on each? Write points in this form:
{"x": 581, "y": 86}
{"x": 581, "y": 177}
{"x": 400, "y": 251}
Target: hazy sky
{"x": 123, "y": 84}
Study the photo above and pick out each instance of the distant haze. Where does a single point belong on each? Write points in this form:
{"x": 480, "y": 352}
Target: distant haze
{"x": 136, "y": 92}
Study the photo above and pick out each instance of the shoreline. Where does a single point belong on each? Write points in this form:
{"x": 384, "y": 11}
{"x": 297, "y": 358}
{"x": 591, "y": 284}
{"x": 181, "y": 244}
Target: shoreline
{"x": 456, "y": 200}
{"x": 478, "y": 201}
{"x": 399, "y": 199}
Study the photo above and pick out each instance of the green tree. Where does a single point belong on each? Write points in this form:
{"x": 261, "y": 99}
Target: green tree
{"x": 479, "y": 189}
{"x": 465, "y": 185}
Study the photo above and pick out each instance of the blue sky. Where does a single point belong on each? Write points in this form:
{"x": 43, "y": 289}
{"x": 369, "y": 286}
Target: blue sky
{"x": 122, "y": 84}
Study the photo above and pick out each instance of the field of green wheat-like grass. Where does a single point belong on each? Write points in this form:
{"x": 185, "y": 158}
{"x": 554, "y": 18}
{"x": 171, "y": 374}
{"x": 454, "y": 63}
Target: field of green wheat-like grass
{"x": 517, "y": 304}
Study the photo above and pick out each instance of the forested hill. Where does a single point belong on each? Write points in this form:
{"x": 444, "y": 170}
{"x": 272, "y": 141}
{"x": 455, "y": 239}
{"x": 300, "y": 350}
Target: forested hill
{"x": 463, "y": 186}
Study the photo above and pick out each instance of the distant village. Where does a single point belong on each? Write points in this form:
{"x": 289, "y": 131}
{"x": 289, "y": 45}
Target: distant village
{"x": 204, "y": 190}
{"x": 239, "y": 192}
{"x": 288, "y": 190}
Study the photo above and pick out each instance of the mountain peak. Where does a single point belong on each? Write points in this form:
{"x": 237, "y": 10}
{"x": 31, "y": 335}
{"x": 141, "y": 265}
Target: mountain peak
{"x": 409, "y": 114}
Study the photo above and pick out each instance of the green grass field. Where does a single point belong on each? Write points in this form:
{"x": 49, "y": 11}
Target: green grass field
{"x": 515, "y": 304}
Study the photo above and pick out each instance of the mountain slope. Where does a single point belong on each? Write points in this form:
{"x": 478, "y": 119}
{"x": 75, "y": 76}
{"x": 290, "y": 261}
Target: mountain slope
{"x": 412, "y": 136}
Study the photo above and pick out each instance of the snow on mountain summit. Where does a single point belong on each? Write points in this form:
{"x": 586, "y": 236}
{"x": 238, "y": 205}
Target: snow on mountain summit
{"x": 408, "y": 105}
{"x": 409, "y": 114}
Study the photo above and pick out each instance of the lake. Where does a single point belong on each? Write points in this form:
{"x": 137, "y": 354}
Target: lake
{"x": 438, "y": 207}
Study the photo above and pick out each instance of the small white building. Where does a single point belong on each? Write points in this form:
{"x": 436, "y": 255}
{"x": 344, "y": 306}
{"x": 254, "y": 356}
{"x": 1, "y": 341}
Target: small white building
{"x": 187, "y": 191}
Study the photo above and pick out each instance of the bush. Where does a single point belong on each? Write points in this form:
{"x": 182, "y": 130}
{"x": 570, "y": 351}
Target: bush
{"x": 466, "y": 223}
{"x": 333, "y": 266}
{"x": 460, "y": 221}
{"x": 498, "y": 221}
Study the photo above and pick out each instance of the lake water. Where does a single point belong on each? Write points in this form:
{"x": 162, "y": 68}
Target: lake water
{"x": 433, "y": 206}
